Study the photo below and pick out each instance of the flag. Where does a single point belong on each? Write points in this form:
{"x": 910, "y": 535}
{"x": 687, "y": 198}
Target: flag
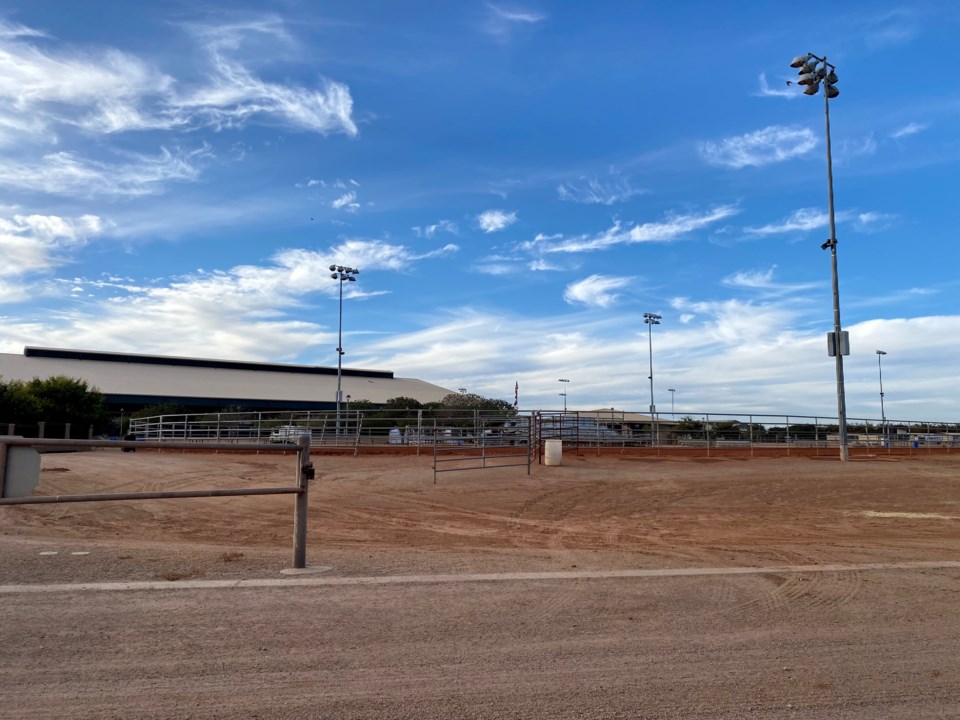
{"x": 516, "y": 394}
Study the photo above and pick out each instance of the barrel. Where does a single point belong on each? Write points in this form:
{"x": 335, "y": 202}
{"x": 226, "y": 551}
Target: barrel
{"x": 553, "y": 452}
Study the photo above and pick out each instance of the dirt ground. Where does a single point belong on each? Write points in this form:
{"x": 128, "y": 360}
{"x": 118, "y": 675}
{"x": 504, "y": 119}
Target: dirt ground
{"x": 385, "y": 513}
{"x": 377, "y": 636}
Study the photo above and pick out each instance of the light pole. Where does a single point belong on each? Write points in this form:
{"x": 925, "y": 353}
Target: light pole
{"x": 342, "y": 274}
{"x": 811, "y": 76}
{"x": 883, "y": 415}
{"x": 672, "y": 392}
{"x": 564, "y": 393}
{"x": 652, "y": 319}
{"x": 121, "y": 423}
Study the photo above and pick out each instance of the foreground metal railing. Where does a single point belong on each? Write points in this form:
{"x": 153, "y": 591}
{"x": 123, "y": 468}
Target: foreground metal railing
{"x": 17, "y": 468}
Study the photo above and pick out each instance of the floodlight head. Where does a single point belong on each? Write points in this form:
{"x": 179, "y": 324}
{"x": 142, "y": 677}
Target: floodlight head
{"x": 831, "y": 91}
{"x": 810, "y": 78}
{"x": 881, "y": 352}
{"x": 832, "y": 78}
{"x": 812, "y": 89}
{"x": 356, "y": 271}
{"x": 351, "y": 278}
{"x": 334, "y": 275}
{"x": 799, "y": 61}
{"x": 332, "y": 268}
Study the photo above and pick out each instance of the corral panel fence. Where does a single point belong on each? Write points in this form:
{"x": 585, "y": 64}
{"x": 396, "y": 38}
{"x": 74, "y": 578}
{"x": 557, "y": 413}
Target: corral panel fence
{"x": 496, "y": 441}
{"x": 613, "y": 429}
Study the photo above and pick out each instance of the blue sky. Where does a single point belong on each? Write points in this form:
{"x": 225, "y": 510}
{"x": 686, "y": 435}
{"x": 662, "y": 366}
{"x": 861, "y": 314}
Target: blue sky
{"x": 518, "y": 183}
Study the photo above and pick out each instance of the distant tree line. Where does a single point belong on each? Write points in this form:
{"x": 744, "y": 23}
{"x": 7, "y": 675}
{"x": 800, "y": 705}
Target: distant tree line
{"x": 733, "y": 430}
{"x": 403, "y": 411}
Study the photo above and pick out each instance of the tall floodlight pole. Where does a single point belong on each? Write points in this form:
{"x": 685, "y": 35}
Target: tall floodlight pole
{"x": 811, "y": 76}
{"x": 651, "y": 319}
{"x": 342, "y": 274}
{"x": 672, "y": 392}
{"x": 883, "y": 415}
{"x": 564, "y": 393}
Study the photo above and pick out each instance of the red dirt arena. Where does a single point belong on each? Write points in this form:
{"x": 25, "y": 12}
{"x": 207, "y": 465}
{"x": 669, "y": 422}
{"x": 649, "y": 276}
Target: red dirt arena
{"x": 611, "y": 586}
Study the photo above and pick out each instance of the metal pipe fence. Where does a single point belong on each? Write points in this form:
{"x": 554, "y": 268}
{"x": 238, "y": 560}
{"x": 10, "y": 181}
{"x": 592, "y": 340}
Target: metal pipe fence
{"x": 416, "y": 429}
{"x": 17, "y": 493}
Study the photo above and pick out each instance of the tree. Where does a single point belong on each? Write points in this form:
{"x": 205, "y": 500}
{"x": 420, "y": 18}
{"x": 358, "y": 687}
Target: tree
{"x": 17, "y": 404}
{"x": 402, "y": 403}
{"x": 62, "y": 399}
{"x": 688, "y": 425}
{"x": 470, "y": 401}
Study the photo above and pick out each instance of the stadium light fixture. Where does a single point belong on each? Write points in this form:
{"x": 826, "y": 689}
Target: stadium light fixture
{"x": 651, "y": 319}
{"x": 816, "y": 71}
{"x": 564, "y": 393}
{"x": 343, "y": 274}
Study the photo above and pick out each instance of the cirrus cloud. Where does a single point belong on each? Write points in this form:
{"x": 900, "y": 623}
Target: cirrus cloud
{"x": 596, "y": 290}
{"x": 772, "y": 144}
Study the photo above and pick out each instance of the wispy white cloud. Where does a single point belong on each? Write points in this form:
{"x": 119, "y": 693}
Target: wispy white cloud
{"x": 802, "y": 220}
{"x": 104, "y": 90}
{"x": 67, "y": 173}
{"x": 773, "y": 144}
{"x": 495, "y": 220}
{"x": 442, "y": 226}
{"x": 873, "y": 221}
{"x": 347, "y": 202}
{"x": 234, "y": 94}
{"x": 907, "y": 130}
{"x": 763, "y": 280}
{"x": 808, "y": 219}
{"x": 502, "y": 21}
{"x": 543, "y": 265}
{"x": 786, "y": 91}
{"x": 596, "y": 290}
{"x": 10, "y": 30}
{"x": 36, "y": 243}
{"x": 673, "y": 228}
{"x": 724, "y": 355}
{"x": 593, "y": 191}
{"x": 866, "y": 145}
{"x": 237, "y": 312}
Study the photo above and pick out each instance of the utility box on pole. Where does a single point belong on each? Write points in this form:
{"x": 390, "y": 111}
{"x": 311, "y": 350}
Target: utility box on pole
{"x": 832, "y": 343}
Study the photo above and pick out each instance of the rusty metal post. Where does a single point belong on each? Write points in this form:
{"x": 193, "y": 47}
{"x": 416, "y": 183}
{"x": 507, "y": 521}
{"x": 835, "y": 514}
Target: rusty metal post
{"x": 304, "y": 471}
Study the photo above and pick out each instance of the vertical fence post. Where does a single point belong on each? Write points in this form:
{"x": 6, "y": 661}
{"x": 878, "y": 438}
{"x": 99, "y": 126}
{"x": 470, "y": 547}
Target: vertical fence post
{"x": 706, "y": 427}
{"x": 419, "y": 430}
{"x": 786, "y": 436}
{"x": 42, "y": 426}
{"x": 300, "y": 505}
{"x": 750, "y": 418}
